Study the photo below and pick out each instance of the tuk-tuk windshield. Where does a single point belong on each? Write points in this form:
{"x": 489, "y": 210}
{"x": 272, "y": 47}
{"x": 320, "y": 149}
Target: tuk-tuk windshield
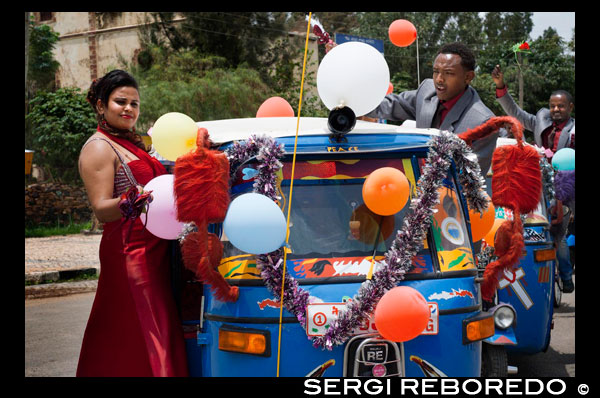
{"x": 329, "y": 217}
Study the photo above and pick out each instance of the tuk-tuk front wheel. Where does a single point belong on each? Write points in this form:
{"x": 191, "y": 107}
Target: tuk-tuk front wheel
{"x": 494, "y": 362}
{"x": 558, "y": 287}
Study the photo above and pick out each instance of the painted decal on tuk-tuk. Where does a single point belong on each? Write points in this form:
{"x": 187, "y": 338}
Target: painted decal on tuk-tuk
{"x": 505, "y": 214}
{"x": 320, "y": 370}
{"x": 345, "y": 266}
{"x": 500, "y": 339}
{"x": 457, "y": 259}
{"x": 544, "y": 274}
{"x": 531, "y": 235}
{"x": 342, "y": 149}
{"x": 428, "y": 369}
{"x": 512, "y": 279}
{"x": 268, "y": 302}
{"x": 239, "y": 267}
{"x": 455, "y": 293}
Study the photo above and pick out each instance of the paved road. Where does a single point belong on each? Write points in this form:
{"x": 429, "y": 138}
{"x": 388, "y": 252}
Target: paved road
{"x": 54, "y": 329}
{"x": 559, "y": 359}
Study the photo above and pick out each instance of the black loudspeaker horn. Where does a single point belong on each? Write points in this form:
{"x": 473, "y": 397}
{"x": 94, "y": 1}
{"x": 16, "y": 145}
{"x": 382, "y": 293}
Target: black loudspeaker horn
{"x": 341, "y": 120}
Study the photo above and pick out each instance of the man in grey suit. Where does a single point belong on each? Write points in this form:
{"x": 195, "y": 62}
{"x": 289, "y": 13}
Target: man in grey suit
{"x": 446, "y": 101}
{"x": 553, "y": 128}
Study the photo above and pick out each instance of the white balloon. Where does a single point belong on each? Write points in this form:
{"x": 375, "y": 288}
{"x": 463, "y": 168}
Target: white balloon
{"x": 353, "y": 74}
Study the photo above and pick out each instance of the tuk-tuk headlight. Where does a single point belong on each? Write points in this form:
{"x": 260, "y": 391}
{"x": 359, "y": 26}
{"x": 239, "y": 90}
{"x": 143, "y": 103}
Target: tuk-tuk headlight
{"x": 504, "y": 316}
{"x": 244, "y": 340}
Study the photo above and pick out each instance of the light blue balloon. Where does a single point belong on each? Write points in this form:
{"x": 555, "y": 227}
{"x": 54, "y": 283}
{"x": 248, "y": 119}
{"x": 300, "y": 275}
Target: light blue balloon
{"x": 564, "y": 159}
{"x": 571, "y": 240}
{"x": 255, "y": 224}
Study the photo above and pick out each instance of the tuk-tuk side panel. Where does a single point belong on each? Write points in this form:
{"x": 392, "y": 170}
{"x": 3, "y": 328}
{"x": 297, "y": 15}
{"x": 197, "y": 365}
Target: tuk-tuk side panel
{"x": 529, "y": 290}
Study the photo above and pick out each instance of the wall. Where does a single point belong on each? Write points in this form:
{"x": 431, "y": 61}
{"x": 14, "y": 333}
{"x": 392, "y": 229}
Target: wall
{"x": 49, "y": 203}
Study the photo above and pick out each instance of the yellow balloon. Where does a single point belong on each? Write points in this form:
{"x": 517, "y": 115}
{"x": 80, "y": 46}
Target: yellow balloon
{"x": 173, "y": 135}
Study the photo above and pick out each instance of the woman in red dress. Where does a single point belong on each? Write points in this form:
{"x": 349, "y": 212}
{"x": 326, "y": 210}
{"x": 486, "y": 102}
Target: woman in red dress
{"x": 134, "y": 328}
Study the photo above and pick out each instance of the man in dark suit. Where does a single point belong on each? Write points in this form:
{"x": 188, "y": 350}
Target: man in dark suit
{"x": 553, "y": 128}
{"x": 446, "y": 101}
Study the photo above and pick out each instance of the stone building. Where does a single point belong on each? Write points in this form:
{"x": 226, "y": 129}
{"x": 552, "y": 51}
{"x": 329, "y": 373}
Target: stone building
{"x": 92, "y": 43}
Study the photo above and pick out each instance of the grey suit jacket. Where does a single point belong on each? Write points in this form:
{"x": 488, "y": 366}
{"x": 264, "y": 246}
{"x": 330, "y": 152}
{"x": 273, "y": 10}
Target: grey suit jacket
{"x": 538, "y": 122}
{"x": 421, "y": 104}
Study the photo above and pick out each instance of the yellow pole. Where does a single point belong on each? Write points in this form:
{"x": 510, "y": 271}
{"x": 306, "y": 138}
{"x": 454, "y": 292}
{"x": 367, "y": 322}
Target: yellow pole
{"x": 287, "y": 237}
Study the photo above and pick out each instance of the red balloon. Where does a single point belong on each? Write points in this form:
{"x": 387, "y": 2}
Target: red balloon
{"x": 402, "y": 33}
{"x": 275, "y": 107}
{"x": 401, "y": 314}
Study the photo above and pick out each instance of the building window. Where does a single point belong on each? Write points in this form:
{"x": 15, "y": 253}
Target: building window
{"x": 45, "y": 16}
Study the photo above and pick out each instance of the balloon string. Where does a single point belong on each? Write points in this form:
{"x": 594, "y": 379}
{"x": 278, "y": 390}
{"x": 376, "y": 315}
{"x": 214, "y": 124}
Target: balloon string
{"x": 370, "y": 273}
{"x": 287, "y": 236}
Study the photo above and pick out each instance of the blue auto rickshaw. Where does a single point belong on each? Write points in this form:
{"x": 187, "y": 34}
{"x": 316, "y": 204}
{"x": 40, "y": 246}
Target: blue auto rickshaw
{"x": 526, "y": 296}
{"x": 335, "y": 244}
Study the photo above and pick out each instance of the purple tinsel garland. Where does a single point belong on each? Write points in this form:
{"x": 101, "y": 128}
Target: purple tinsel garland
{"x": 564, "y": 185}
{"x": 268, "y": 153}
{"x": 398, "y": 259}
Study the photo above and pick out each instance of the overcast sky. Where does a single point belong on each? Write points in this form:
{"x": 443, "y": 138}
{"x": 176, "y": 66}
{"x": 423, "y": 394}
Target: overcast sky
{"x": 563, "y": 22}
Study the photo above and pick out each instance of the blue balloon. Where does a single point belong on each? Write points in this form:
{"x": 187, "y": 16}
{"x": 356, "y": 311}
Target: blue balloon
{"x": 255, "y": 224}
{"x": 571, "y": 240}
{"x": 564, "y": 159}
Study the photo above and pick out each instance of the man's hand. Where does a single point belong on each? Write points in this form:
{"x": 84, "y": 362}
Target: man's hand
{"x": 498, "y": 77}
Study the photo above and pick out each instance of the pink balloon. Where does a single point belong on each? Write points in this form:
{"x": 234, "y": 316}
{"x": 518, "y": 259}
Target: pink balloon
{"x": 150, "y": 130}
{"x": 161, "y": 219}
{"x": 275, "y": 107}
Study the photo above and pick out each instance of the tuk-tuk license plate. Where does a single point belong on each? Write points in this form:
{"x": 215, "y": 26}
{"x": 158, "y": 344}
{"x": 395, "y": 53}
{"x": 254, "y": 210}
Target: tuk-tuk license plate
{"x": 320, "y": 315}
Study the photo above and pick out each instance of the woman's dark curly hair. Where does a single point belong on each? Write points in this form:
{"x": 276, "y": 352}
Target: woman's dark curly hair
{"x": 100, "y": 89}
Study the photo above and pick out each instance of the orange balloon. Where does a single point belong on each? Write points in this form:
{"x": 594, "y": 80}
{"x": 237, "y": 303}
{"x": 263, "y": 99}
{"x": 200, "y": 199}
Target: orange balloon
{"x": 481, "y": 224}
{"x": 401, "y": 314}
{"x": 402, "y": 33}
{"x": 385, "y": 191}
{"x": 390, "y": 89}
{"x": 491, "y": 235}
{"x": 275, "y": 107}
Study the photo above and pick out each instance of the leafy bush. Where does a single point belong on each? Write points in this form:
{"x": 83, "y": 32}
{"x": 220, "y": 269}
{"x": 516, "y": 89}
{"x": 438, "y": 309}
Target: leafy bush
{"x": 61, "y": 122}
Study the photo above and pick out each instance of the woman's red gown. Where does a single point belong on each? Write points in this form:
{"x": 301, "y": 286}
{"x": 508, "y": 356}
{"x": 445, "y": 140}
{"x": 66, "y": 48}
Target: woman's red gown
{"x": 134, "y": 328}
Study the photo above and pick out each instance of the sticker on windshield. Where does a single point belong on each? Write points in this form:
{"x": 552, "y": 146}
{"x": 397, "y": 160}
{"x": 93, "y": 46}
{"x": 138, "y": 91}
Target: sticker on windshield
{"x": 452, "y": 231}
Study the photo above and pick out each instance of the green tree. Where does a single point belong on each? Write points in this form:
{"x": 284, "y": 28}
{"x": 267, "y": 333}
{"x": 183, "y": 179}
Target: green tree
{"x": 42, "y": 65}
{"x": 61, "y": 123}
{"x": 202, "y": 87}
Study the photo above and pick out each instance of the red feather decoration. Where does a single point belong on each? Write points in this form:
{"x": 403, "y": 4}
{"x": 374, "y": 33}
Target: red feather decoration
{"x": 201, "y": 188}
{"x": 201, "y": 253}
{"x": 516, "y": 185}
{"x": 202, "y": 183}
